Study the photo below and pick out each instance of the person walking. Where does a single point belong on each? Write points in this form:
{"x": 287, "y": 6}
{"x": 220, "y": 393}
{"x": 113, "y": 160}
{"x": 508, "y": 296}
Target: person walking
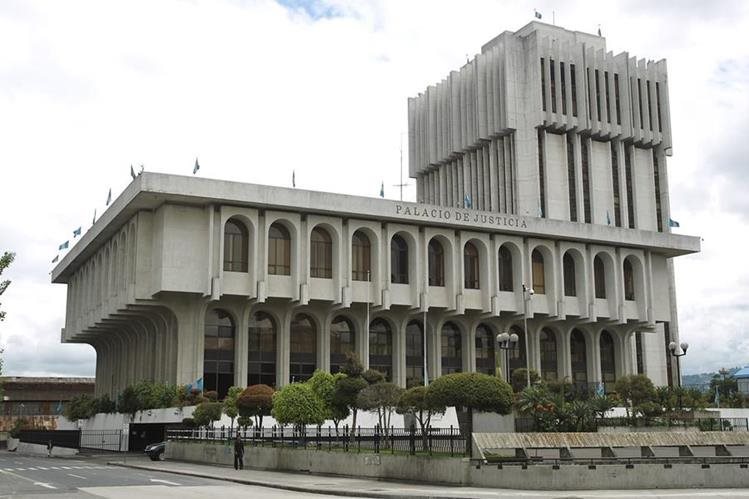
{"x": 238, "y": 453}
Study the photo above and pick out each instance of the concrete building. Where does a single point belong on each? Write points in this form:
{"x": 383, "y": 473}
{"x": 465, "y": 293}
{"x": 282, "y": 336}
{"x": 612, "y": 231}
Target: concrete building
{"x": 541, "y": 162}
{"x": 39, "y": 399}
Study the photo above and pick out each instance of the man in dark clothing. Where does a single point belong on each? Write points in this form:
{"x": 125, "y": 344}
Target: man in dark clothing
{"x": 238, "y": 453}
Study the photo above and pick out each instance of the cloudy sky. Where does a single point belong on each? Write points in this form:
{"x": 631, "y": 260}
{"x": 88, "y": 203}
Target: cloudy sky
{"x": 256, "y": 89}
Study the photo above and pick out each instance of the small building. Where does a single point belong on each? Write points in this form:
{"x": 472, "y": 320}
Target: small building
{"x": 742, "y": 379}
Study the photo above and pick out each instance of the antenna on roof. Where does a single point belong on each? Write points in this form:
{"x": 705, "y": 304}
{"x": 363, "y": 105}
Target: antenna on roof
{"x": 599, "y": 30}
{"x": 402, "y": 184}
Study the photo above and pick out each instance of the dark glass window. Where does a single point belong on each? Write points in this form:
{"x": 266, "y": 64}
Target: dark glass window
{"x": 639, "y": 101}
{"x": 361, "y": 255}
{"x": 261, "y": 355}
{"x": 608, "y": 362}
{"x": 553, "y": 86}
{"x": 628, "y": 179}
{"x": 615, "y": 182}
{"x": 381, "y": 348}
{"x": 517, "y": 354}
{"x": 236, "y": 244}
{"x": 629, "y": 280}
{"x": 541, "y": 180}
{"x": 537, "y": 268}
{"x": 578, "y": 358}
{"x": 650, "y": 105}
{"x": 573, "y": 83}
{"x": 452, "y": 349}
{"x": 599, "y": 271}
{"x": 218, "y": 353}
{"x": 608, "y": 97}
{"x": 564, "y": 87}
{"x": 571, "y": 177}
{"x": 505, "y": 269}
{"x": 598, "y": 98}
{"x": 303, "y": 351}
{"x": 658, "y": 105}
{"x": 436, "y": 264}
{"x": 543, "y": 84}
{"x": 548, "y": 344}
{"x": 616, "y": 96}
{"x": 471, "y": 266}
{"x": 414, "y": 354}
{"x": 321, "y": 254}
{"x": 638, "y": 353}
{"x": 584, "y": 153}
{"x": 669, "y": 357}
{"x": 657, "y": 181}
{"x": 398, "y": 260}
{"x": 342, "y": 341}
{"x": 485, "y": 360}
{"x": 570, "y": 287}
{"x": 279, "y": 250}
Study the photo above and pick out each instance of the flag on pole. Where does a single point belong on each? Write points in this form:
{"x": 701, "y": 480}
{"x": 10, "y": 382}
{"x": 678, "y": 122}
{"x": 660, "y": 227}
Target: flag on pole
{"x": 537, "y": 14}
{"x": 293, "y": 179}
{"x": 673, "y": 223}
{"x": 109, "y": 196}
{"x": 76, "y": 232}
{"x": 196, "y": 167}
{"x": 132, "y": 172}
{"x": 382, "y": 190}
{"x": 467, "y": 201}
{"x": 94, "y": 220}
{"x": 608, "y": 218}
{"x": 64, "y": 245}
{"x": 54, "y": 260}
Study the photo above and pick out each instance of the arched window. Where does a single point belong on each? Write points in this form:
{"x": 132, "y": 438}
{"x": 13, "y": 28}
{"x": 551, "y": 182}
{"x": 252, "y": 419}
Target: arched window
{"x": 517, "y": 354}
{"x": 436, "y": 264}
{"x": 629, "y": 280}
{"x": 608, "y": 361}
{"x": 303, "y": 348}
{"x": 398, "y": 260}
{"x": 599, "y": 275}
{"x": 261, "y": 355}
{"x": 505, "y": 269}
{"x": 236, "y": 244}
{"x": 381, "y": 348}
{"x": 485, "y": 359}
{"x": 578, "y": 358}
{"x": 279, "y": 250}
{"x": 361, "y": 252}
{"x": 218, "y": 353}
{"x": 537, "y": 268}
{"x": 471, "y": 266}
{"x": 548, "y": 344}
{"x": 414, "y": 354}
{"x": 321, "y": 254}
{"x": 570, "y": 286}
{"x": 342, "y": 341}
{"x": 452, "y": 349}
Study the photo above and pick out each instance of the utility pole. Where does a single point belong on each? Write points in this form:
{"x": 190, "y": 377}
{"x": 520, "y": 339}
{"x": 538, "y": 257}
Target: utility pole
{"x": 401, "y": 185}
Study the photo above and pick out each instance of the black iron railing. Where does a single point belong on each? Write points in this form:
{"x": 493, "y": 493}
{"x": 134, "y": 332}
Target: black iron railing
{"x": 526, "y": 424}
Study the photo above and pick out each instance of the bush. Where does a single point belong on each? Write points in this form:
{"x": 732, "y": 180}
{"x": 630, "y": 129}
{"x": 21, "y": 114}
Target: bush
{"x": 211, "y": 395}
{"x": 298, "y": 405}
{"x": 18, "y": 425}
{"x": 189, "y": 423}
{"x": 472, "y": 391}
{"x": 104, "y": 405}
{"x": 80, "y": 407}
{"x": 206, "y": 413}
{"x": 519, "y": 380}
{"x": 255, "y": 401}
{"x": 188, "y": 396}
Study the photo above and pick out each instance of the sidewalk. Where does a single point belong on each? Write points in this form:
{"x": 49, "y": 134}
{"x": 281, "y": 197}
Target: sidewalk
{"x": 354, "y": 487}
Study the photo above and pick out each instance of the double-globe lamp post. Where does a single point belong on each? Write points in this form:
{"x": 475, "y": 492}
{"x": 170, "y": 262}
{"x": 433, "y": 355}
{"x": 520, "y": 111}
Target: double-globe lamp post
{"x": 506, "y": 342}
{"x": 678, "y": 351}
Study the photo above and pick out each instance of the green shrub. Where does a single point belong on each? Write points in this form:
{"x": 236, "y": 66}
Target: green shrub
{"x": 206, "y": 413}
{"x": 472, "y": 391}
{"x": 80, "y": 407}
{"x": 255, "y": 401}
{"x": 298, "y": 405}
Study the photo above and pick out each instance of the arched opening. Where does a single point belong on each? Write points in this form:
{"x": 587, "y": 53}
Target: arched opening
{"x": 361, "y": 257}
{"x": 381, "y": 348}
{"x": 548, "y": 346}
{"x": 279, "y": 250}
{"x": 578, "y": 359}
{"x": 504, "y": 267}
{"x": 517, "y": 353}
{"x": 570, "y": 284}
{"x": 436, "y": 263}
{"x": 537, "y": 269}
{"x": 218, "y": 353}
{"x": 414, "y": 354}
{"x": 398, "y": 260}
{"x": 236, "y": 244}
{"x": 485, "y": 357}
{"x": 342, "y": 341}
{"x": 261, "y": 354}
{"x": 321, "y": 254}
{"x": 599, "y": 276}
{"x": 303, "y": 350}
{"x": 629, "y": 280}
{"x": 452, "y": 349}
{"x": 608, "y": 361}
{"x": 471, "y": 266}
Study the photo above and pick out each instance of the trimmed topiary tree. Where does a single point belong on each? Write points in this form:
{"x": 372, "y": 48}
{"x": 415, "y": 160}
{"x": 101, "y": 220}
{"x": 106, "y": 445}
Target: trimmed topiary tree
{"x": 206, "y": 413}
{"x": 383, "y": 398}
{"x": 415, "y": 402}
{"x": 256, "y": 401}
{"x": 298, "y": 405}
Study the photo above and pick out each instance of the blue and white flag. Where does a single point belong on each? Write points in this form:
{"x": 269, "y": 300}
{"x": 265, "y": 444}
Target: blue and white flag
{"x": 467, "y": 201}
{"x": 109, "y": 196}
{"x": 673, "y": 223}
{"x": 64, "y": 245}
{"x": 537, "y": 14}
{"x": 608, "y": 218}
{"x": 196, "y": 167}
{"x": 600, "y": 390}
{"x": 382, "y": 190}
{"x": 76, "y": 232}
{"x": 198, "y": 385}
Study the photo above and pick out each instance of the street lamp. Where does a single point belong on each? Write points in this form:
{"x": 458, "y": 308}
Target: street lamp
{"x": 673, "y": 347}
{"x": 527, "y": 294}
{"x": 723, "y": 372}
{"x": 506, "y": 342}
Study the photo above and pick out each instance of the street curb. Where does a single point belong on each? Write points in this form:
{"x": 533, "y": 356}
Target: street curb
{"x": 292, "y": 488}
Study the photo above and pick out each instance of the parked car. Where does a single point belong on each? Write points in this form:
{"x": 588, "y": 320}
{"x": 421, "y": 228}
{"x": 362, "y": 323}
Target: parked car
{"x": 156, "y": 451}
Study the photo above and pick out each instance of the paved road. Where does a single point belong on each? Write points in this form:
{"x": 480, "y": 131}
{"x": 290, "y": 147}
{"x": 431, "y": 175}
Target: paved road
{"x": 58, "y": 478}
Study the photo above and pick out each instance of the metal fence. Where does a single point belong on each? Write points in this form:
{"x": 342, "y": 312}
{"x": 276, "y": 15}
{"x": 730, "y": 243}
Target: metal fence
{"x": 440, "y": 441}
{"x": 59, "y": 438}
{"x": 525, "y": 424}
{"x": 106, "y": 440}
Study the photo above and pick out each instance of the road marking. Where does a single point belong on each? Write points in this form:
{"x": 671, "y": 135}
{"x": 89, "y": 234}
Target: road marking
{"x": 42, "y": 484}
{"x": 31, "y": 469}
{"x": 78, "y": 476}
{"x": 41, "y": 468}
{"x": 54, "y": 468}
{"x": 167, "y": 482}
{"x": 20, "y": 469}
{"x": 65, "y": 467}
{"x": 8, "y": 469}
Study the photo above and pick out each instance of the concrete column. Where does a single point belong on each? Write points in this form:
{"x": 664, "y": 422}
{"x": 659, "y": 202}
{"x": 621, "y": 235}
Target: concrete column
{"x": 468, "y": 339}
{"x": 283, "y": 349}
{"x": 241, "y": 345}
{"x": 564, "y": 355}
{"x": 595, "y": 356}
{"x": 323, "y": 341}
{"x": 399, "y": 352}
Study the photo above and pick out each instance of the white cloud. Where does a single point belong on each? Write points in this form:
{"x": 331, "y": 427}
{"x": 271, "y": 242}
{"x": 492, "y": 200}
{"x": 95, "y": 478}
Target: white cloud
{"x": 255, "y": 90}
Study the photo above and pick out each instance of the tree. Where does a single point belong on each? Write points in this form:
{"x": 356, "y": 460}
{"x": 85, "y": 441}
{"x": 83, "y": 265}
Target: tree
{"x": 519, "y": 380}
{"x": 348, "y": 386}
{"x": 324, "y": 385}
{"x": 5, "y": 260}
{"x": 80, "y": 407}
{"x": 635, "y": 390}
{"x": 206, "y": 413}
{"x": 601, "y": 404}
{"x": 128, "y": 402}
{"x": 230, "y": 403}
{"x": 256, "y": 401}
{"x": 415, "y": 402}
{"x": 298, "y": 405}
{"x": 381, "y": 397}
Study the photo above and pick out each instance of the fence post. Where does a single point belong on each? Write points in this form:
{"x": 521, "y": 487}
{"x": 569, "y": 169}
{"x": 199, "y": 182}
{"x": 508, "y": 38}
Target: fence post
{"x": 358, "y": 440}
{"x": 412, "y": 440}
{"x": 429, "y": 441}
{"x": 452, "y": 444}
{"x": 377, "y": 439}
{"x": 392, "y": 439}
{"x": 329, "y": 435}
{"x": 346, "y": 436}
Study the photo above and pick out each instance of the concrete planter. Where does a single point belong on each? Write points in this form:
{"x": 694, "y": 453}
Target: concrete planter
{"x": 13, "y": 443}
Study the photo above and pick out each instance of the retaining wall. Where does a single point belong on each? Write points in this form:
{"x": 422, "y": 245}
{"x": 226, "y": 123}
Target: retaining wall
{"x": 460, "y": 471}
